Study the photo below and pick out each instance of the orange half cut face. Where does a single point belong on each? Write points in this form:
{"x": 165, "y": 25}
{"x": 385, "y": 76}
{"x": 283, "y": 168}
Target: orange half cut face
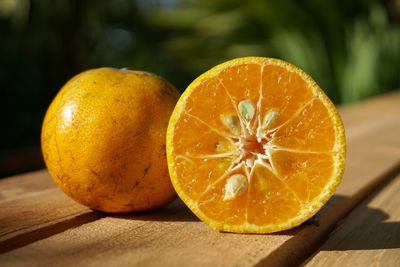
{"x": 255, "y": 146}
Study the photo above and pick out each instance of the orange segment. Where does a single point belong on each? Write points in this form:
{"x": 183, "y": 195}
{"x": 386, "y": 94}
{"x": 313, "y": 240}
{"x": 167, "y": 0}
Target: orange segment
{"x": 209, "y": 109}
{"x": 311, "y": 130}
{"x": 283, "y": 90}
{"x": 254, "y": 145}
{"x": 240, "y": 81}
{"x": 195, "y": 136}
{"x": 231, "y": 212}
{"x": 271, "y": 200}
{"x": 197, "y": 174}
{"x": 307, "y": 173}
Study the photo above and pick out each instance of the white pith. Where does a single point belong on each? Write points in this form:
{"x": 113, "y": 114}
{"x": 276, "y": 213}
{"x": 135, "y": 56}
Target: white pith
{"x": 252, "y": 146}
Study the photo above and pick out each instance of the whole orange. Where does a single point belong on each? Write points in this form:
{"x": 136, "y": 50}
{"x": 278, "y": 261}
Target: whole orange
{"x": 103, "y": 139}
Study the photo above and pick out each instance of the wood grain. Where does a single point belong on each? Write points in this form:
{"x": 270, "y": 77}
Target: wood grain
{"x": 369, "y": 236}
{"x": 170, "y": 237}
{"x": 173, "y": 236}
{"x": 21, "y": 185}
{"x": 32, "y": 208}
{"x": 369, "y": 110}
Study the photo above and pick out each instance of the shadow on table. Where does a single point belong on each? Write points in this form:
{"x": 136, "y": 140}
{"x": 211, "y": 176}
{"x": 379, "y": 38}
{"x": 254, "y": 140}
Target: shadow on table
{"x": 375, "y": 233}
{"x": 177, "y": 211}
{"x": 365, "y": 229}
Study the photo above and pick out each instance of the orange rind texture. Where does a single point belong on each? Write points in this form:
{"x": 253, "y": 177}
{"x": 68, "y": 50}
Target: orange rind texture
{"x": 103, "y": 139}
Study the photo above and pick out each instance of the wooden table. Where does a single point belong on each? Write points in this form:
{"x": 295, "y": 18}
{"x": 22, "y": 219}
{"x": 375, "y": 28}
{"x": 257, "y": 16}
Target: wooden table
{"x": 359, "y": 226}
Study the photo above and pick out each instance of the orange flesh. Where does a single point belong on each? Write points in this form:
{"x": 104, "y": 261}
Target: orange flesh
{"x": 287, "y": 165}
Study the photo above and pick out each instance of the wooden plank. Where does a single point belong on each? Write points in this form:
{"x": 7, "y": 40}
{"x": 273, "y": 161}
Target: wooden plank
{"x": 32, "y": 208}
{"x": 173, "y": 236}
{"x": 371, "y": 110}
{"x": 369, "y": 236}
{"x": 20, "y": 185}
{"x": 170, "y": 237}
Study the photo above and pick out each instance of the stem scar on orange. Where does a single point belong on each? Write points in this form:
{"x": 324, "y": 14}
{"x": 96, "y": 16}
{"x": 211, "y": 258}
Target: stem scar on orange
{"x": 255, "y": 146}
{"x": 103, "y": 139}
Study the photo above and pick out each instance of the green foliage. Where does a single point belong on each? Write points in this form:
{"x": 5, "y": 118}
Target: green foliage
{"x": 351, "y": 48}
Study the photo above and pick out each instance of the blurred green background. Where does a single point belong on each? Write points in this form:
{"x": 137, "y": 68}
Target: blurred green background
{"x": 351, "y": 48}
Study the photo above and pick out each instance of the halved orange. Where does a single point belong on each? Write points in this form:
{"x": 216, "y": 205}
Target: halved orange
{"x": 255, "y": 146}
